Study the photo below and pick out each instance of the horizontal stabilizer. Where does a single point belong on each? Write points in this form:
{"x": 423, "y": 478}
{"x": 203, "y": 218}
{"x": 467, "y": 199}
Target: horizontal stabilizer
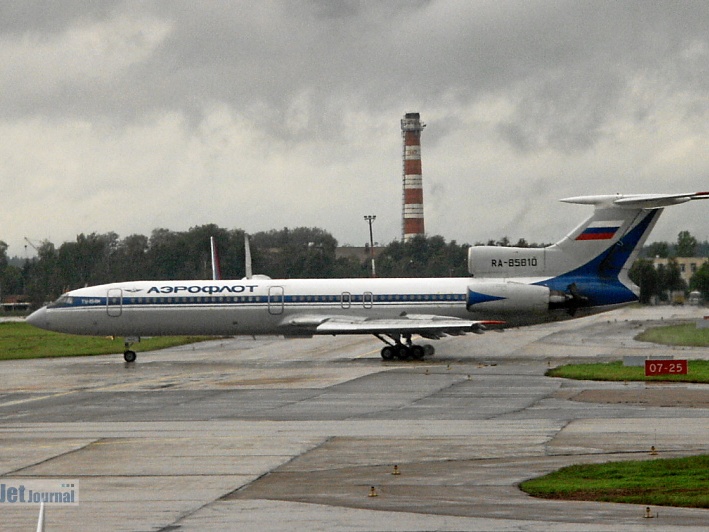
{"x": 637, "y": 201}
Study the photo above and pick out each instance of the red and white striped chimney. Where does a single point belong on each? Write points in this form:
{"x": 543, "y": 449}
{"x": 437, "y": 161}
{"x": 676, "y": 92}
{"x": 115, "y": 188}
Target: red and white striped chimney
{"x": 411, "y": 127}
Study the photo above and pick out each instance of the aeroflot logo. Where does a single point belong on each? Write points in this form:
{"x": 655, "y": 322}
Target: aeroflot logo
{"x": 210, "y": 289}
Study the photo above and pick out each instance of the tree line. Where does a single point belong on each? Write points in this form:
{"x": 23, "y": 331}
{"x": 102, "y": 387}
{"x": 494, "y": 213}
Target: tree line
{"x": 287, "y": 253}
{"x": 659, "y": 283}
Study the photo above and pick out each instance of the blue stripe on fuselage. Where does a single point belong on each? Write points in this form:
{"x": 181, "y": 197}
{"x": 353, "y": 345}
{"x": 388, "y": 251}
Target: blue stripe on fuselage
{"x": 140, "y": 301}
{"x": 475, "y": 298}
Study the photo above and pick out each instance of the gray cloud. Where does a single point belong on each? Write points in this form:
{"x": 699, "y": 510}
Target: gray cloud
{"x": 535, "y": 100}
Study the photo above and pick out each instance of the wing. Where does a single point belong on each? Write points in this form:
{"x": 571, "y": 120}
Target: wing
{"x": 428, "y": 326}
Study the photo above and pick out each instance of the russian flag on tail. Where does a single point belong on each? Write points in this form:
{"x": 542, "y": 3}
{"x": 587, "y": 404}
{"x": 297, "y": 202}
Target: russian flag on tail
{"x": 600, "y": 230}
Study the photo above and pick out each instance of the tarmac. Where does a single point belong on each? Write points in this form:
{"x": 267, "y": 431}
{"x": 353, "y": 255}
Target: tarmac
{"x": 274, "y": 434}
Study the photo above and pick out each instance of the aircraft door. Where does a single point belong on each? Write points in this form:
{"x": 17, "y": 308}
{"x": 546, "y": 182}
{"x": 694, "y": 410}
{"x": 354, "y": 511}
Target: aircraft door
{"x": 275, "y": 300}
{"x": 114, "y": 302}
{"x": 367, "y": 299}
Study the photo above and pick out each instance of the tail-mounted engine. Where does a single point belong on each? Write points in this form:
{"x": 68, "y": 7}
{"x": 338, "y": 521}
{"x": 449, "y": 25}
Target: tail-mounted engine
{"x": 571, "y": 300}
{"x": 509, "y": 297}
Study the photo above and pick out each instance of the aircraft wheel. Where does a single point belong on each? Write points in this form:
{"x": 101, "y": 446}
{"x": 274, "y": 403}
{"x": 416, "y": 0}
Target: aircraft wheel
{"x": 417, "y": 352}
{"x": 402, "y": 352}
{"x": 429, "y": 350}
{"x": 388, "y": 353}
{"x": 129, "y": 356}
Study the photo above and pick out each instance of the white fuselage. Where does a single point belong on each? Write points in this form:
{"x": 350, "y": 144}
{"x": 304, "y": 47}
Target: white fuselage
{"x": 274, "y": 306}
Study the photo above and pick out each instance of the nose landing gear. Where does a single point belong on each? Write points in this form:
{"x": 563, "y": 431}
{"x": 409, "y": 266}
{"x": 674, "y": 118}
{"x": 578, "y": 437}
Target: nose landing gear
{"x": 129, "y": 355}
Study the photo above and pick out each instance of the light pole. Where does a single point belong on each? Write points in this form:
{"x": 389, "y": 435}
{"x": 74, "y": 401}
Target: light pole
{"x": 370, "y": 218}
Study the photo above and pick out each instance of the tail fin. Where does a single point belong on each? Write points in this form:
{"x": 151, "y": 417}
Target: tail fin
{"x": 247, "y": 258}
{"x": 596, "y": 256}
{"x": 247, "y": 262}
{"x": 588, "y": 267}
{"x": 216, "y": 268}
{"x": 608, "y": 242}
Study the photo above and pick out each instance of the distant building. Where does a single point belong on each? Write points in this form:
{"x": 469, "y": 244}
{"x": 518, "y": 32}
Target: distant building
{"x": 15, "y": 303}
{"x": 688, "y": 266}
{"x": 357, "y": 253}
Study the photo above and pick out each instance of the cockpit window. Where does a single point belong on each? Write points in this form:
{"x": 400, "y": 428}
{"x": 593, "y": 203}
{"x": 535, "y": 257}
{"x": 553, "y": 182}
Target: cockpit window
{"x": 63, "y": 301}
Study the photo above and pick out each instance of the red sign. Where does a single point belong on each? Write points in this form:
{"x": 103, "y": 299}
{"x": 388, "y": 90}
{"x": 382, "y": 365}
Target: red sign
{"x": 665, "y": 367}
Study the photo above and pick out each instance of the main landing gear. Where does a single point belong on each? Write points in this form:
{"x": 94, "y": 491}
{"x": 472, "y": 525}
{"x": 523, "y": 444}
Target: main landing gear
{"x": 404, "y": 350}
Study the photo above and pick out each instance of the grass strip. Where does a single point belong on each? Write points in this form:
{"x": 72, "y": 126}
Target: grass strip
{"x": 659, "y": 482}
{"x": 686, "y": 334}
{"x": 697, "y": 372}
{"x": 19, "y": 340}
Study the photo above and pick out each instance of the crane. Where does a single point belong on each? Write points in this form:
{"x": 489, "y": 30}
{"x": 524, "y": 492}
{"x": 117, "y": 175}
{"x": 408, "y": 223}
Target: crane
{"x": 35, "y": 246}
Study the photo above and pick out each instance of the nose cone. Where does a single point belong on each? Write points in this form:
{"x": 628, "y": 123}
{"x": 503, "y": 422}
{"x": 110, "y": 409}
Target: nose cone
{"x": 38, "y": 318}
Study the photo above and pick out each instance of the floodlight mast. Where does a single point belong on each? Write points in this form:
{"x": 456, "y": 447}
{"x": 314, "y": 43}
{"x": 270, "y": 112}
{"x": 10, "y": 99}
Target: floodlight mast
{"x": 370, "y": 218}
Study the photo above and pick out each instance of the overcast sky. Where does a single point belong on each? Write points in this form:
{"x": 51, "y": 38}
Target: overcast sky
{"x": 257, "y": 115}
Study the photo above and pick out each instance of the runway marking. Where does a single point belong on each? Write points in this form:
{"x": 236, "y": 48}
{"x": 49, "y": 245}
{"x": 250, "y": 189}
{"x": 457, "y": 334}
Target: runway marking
{"x": 367, "y": 354}
{"x": 142, "y": 383}
{"x": 31, "y": 399}
{"x": 265, "y": 381}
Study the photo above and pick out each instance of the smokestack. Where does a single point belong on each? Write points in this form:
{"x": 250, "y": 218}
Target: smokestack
{"x": 412, "y": 223}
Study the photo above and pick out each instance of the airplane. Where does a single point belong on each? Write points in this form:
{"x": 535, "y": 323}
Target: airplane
{"x": 584, "y": 273}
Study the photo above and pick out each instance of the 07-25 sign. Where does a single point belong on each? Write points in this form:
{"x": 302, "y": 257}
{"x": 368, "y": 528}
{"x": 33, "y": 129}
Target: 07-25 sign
{"x": 665, "y": 367}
